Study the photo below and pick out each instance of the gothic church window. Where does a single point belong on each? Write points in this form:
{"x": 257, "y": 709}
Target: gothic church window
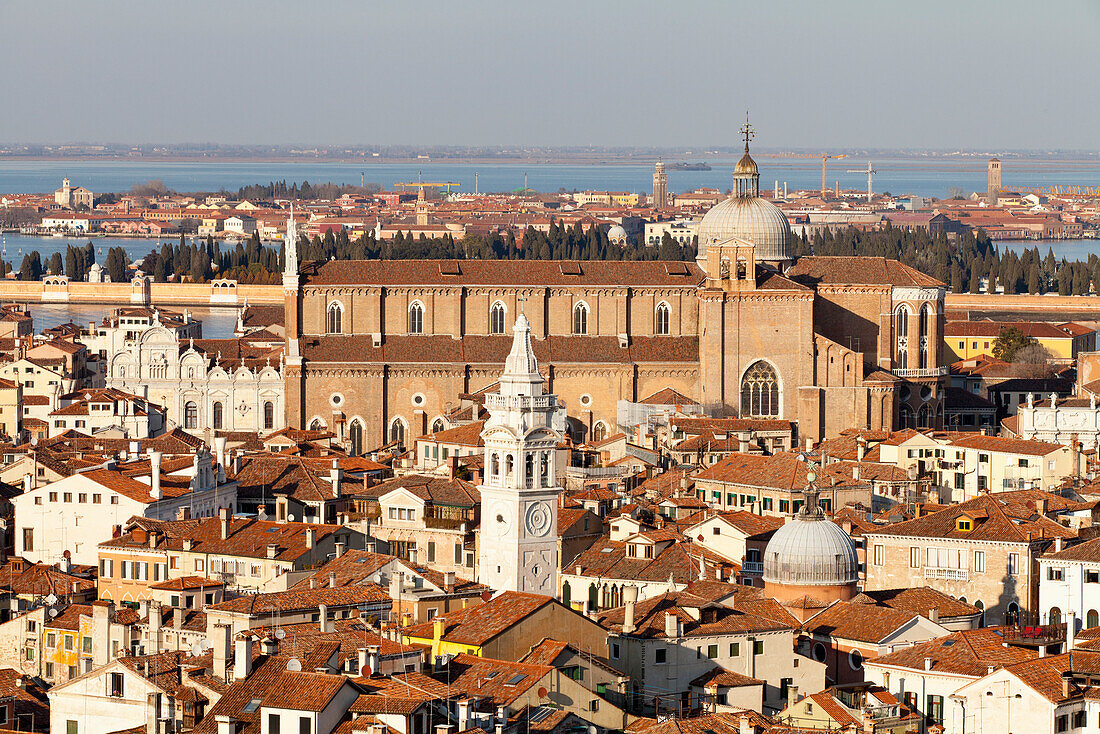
{"x": 925, "y": 332}
{"x": 397, "y": 431}
{"x": 355, "y": 436}
{"x": 335, "y": 318}
{"x": 599, "y": 431}
{"x": 661, "y": 319}
{"x": 901, "y": 338}
{"x": 316, "y": 425}
{"x": 416, "y": 318}
{"x": 760, "y": 391}
{"x": 496, "y": 318}
{"x": 437, "y": 425}
{"x": 580, "y": 318}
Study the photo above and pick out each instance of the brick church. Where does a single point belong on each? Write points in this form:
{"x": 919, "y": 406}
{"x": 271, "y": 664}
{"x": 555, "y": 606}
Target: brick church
{"x": 381, "y": 350}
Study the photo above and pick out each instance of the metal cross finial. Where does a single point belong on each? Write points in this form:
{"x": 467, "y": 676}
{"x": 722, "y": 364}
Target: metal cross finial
{"x": 521, "y": 300}
{"x": 747, "y": 131}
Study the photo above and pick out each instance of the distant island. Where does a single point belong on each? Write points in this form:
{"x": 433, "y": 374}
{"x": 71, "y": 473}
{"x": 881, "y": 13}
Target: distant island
{"x": 684, "y": 166}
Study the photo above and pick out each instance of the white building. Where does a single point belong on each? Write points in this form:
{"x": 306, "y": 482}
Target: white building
{"x": 1069, "y": 583}
{"x": 682, "y": 232}
{"x": 99, "y": 410}
{"x": 519, "y": 499}
{"x": 211, "y": 384}
{"x": 78, "y": 512}
{"x": 1060, "y": 421}
{"x": 126, "y": 325}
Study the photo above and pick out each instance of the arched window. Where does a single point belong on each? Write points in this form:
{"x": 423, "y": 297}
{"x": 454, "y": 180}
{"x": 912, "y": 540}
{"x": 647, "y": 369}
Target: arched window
{"x": 924, "y": 417}
{"x": 661, "y": 319}
{"x": 416, "y": 318}
{"x": 1092, "y": 619}
{"x": 191, "y": 415}
{"x": 496, "y": 318}
{"x": 593, "y": 597}
{"x": 269, "y": 415}
{"x": 901, "y": 338}
{"x": 1012, "y": 614}
{"x": 494, "y": 468}
{"x": 925, "y": 335}
{"x": 1055, "y": 616}
{"x": 335, "y": 318}
{"x": 565, "y": 593}
{"x": 438, "y": 425}
{"x": 905, "y": 417}
{"x": 580, "y": 318}
{"x": 355, "y": 437}
{"x": 397, "y": 431}
{"x": 529, "y": 469}
{"x": 316, "y": 425}
{"x": 217, "y": 415}
{"x": 760, "y": 391}
{"x": 544, "y": 468}
{"x": 599, "y": 431}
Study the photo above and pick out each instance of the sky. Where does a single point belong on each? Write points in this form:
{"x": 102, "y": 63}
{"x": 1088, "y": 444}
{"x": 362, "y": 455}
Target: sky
{"x": 853, "y": 74}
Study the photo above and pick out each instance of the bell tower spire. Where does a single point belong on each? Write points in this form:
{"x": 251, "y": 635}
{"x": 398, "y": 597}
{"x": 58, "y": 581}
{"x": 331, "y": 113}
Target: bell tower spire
{"x": 746, "y": 176}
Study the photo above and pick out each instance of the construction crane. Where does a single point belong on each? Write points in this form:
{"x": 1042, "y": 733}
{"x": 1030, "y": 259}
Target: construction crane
{"x": 870, "y": 172}
{"x": 824, "y": 159}
{"x": 1063, "y": 192}
{"x": 420, "y": 185}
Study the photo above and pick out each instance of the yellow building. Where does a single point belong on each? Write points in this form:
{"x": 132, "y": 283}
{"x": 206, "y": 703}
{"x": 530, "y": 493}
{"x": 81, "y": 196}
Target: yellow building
{"x": 871, "y": 708}
{"x": 622, "y": 198}
{"x": 968, "y": 339}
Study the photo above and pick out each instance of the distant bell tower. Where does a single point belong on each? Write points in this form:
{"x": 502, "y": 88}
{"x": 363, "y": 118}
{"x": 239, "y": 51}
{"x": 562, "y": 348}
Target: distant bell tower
{"x": 519, "y": 494}
{"x": 993, "y": 185}
{"x": 660, "y": 186}
{"x": 292, "y": 313}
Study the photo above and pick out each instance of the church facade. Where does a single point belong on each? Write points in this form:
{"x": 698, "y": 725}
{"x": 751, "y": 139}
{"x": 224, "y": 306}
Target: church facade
{"x": 379, "y": 351}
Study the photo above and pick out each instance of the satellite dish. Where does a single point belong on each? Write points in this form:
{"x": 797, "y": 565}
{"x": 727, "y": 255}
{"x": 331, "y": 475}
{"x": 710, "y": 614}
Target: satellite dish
{"x": 196, "y": 649}
{"x": 486, "y": 595}
{"x": 51, "y": 599}
{"x": 542, "y": 692}
{"x": 67, "y": 554}
{"x": 290, "y": 517}
{"x": 592, "y": 730}
{"x": 367, "y": 671}
{"x": 294, "y": 665}
{"x": 280, "y": 634}
{"x": 53, "y": 612}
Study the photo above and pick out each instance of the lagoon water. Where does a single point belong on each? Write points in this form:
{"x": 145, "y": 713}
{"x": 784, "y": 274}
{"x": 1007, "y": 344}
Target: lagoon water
{"x": 922, "y": 176}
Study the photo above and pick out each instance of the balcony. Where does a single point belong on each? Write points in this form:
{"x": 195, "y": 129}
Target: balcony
{"x": 752, "y": 567}
{"x": 947, "y": 574}
{"x": 921, "y": 372}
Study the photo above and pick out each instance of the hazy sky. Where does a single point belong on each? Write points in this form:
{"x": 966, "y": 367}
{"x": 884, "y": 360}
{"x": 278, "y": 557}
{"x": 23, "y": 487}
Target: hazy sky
{"x": 986, "y": 74}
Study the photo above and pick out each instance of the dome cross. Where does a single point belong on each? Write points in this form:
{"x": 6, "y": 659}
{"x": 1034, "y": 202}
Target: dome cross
{"x": 747, "y": 131}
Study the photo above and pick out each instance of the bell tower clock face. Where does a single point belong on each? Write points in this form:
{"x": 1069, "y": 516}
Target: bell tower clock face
{"x": 500, "y": 517}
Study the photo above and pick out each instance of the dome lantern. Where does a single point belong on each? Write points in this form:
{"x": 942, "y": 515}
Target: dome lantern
{"x": 746, "y": 176}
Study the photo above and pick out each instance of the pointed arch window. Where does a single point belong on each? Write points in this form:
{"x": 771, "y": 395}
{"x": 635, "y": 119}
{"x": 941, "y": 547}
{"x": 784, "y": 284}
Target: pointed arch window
{"x": 218, "y": 415}
{"x": 316, "y": 425}
{"x": 925, "y": 336}
{"x": 661, "y": 319}
{"x": 438, "y": 425}
{"x": 580, "y": 318}
{"x": 397, "y": 431}
{"x": 924, "y": 417}
{"x": 760, "y": 391}
{"x": 599, "y": 431}
{"x": 416, "y": 318}
{"x": 901, "y": 338}
{"x": 335, "y": 318}
{"x": 355, "y": 437}
{"x": 496, "y": 318}
{"x": 905, "y": 417}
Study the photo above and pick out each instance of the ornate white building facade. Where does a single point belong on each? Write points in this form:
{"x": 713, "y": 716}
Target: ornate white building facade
{"x": 1060, "y": 421}
{"x": 519, "y": 494}
{"x": 201, "y": 390}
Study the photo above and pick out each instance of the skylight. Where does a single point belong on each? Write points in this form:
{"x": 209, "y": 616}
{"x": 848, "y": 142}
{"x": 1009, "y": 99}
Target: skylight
{"x": 515, "y": 679}
{"x": 251, "y": 706}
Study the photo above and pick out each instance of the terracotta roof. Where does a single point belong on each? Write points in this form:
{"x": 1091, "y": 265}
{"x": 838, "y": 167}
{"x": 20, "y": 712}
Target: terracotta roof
{"x": 576, "y": 273}
{"x": 919, "y": 600}
{"x": 714, "y": 619}
{"x": 477, "y": 625}
{"x": 836, "y": 269}
{"x": 968, "y": 652}
{"x": 303, "y": 600}
{"x": 492, "y": 350}
{"x": 667, "y": 396}
{"x": 993, "y": 519}
{"x": 850, "y": 620}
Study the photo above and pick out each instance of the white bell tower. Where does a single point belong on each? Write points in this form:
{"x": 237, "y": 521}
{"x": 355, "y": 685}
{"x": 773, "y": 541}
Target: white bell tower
{"x": 519, "y": 495}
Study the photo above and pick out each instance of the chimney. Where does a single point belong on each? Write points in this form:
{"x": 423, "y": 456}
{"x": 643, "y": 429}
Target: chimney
{"x": 311, "y": 536}
{"x": 861, "y": 447}
{"x": 322, "y": 617}
{"x": 449, "y": 582}
{"x": 27, "y": 482}
{"x": 242, "y": 658}
{"x": 226, "y": 724}
{"x": 744, "y": 725}
{"x": 340, "y": 545}
{"x": 364, "y": 663}
{"x": 332, "y": 579}
{"x": 223, "y": 648}
{"x": 224, "y": 515}
{"x": 183, "y": 513}
{"x": 272, "y": 550}
{"x": 743, "y": 444}
{"x": 374, "y": 659}
{"x": 792, "y": 694}
{"x": 152, "y": 713}
{"x": 1066, "y": 681}
{"x": 630, "y": 599}
{"x": 934, "y": 615}
{"x": 154, "y": 475}
{"x": 396, "y": 582}
{"x": 672, "y": 625}
{"x": 1057, "y": 545}
{"x": 177, "y": 619}
{"x": 502, "y": 718}
{"x": 335, "y": 475}
{"x": 465, "y": 713}
{"x": 927, "y": 663}
{"x": 155, "y": 619}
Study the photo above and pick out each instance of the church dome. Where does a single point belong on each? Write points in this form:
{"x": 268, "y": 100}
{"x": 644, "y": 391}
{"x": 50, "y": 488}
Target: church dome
{"x": 748, "y": 218}
{"x": 811, "y": 551}
{"x": 616, "y": 233}
{"x": 746, "y": 165}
